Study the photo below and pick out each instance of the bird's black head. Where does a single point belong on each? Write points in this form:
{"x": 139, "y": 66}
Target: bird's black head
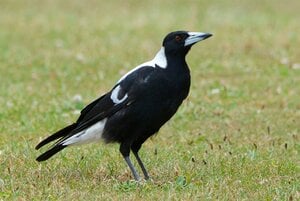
{"x": 180, "y": 42}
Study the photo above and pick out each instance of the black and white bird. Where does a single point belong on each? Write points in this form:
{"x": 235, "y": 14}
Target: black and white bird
{"x": 140, "y": 103}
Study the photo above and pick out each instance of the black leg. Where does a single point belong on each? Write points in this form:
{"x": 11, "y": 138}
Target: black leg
{"x": 141, "y": 164}
{"x": 135, "y": 147}
{"x": 125, "y": 150}
{"x": 133, "y": 170}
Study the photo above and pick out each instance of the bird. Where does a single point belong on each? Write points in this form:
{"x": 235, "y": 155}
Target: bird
{"x": 137, "y": 106}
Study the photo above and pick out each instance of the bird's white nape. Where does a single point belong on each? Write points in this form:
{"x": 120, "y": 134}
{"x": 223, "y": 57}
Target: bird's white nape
{"x": 159, "y": 60}
{"x": 115, "y": 93}
{"x": 91, "y": 134}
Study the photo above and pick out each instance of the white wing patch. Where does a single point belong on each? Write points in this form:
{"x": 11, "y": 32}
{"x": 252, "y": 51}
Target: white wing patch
{"x": 91, "y": 134}
{"x": 159, "y": 60}
{"x": 114, "y": 95}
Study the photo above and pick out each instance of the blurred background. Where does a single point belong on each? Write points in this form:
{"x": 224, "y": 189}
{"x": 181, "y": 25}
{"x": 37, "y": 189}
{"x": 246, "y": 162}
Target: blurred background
{"x": 57, "y": 56}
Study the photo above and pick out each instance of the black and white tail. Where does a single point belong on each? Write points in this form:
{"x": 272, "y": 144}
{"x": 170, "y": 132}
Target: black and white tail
{"x": 56, "y": 148}
{"x": 68, "y": 136}
{"x": 51, "y": 152}
{"x": 59, "y": 134}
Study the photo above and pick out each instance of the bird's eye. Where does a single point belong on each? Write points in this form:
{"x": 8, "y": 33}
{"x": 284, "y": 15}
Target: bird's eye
{"x": 178, "y": 38}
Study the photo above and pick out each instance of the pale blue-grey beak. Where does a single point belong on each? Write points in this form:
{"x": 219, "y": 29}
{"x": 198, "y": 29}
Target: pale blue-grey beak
{"x": 195, "y": 37}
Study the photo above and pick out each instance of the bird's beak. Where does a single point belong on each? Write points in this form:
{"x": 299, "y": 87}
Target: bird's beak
{"x": 195, "y": 37}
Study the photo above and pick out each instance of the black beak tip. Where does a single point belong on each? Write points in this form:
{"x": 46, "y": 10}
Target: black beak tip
{"x": 207, "y": 35}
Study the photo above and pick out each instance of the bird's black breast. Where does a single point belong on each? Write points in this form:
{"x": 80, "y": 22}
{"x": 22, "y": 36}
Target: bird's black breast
{"x": 156, "y": 100}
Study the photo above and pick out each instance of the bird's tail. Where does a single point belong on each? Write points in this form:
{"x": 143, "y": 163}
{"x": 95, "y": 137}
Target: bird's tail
{"x": 61, "y": 133}
{"x": 50, "y": 152}
{"x": 58, "y": 147}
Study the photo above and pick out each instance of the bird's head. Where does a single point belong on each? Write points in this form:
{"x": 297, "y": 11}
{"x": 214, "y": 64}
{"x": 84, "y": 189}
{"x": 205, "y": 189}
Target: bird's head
{"x": 180, "y": 42}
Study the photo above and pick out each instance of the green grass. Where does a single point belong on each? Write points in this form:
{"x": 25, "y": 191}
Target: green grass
{"x": 235, "y": 138}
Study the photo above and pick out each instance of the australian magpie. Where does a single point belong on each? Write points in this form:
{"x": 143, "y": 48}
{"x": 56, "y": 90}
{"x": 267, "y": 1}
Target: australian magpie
{"x": 138, "y": 105}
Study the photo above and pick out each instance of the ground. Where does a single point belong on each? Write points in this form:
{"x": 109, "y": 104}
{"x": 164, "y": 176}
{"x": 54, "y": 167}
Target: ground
{"x": 236, "y": 137}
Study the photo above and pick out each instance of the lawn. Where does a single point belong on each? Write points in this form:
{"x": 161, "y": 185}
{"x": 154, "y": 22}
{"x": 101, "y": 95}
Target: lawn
{"x": 236, "y": 137}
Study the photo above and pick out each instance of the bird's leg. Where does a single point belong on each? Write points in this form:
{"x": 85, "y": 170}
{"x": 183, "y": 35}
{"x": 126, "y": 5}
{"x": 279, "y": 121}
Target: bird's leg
{"x": 135, "y": 147}
{"x": 133, "y": 170}
{"x": 125, "y": 150}
{"x": 141, "y": 164}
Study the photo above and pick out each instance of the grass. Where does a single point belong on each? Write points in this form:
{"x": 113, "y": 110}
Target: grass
{"x": 235, "y": 138}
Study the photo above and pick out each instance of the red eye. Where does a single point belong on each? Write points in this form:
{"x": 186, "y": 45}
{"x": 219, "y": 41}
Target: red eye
{"x": 178, "y": 38}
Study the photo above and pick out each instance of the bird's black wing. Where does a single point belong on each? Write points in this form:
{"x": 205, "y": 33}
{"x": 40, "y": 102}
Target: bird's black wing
{"x": 89, "y": 107}
{"x": 131, "y": 87}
